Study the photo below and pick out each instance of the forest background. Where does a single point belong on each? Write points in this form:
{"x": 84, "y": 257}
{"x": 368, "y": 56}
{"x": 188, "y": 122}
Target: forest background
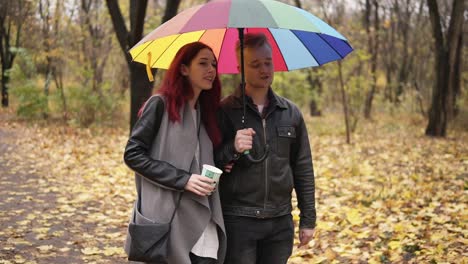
{"x": 388, "y": 127}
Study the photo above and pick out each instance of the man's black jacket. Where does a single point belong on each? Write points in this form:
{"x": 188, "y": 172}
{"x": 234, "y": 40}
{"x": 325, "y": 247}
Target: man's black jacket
{"x": 264, "y": 190}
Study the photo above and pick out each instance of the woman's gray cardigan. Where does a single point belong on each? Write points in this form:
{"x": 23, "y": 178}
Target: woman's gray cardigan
{"x": 162, "y": 157}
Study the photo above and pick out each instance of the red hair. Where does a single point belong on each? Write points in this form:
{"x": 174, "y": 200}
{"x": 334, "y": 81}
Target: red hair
{"x": 177, "y": 90}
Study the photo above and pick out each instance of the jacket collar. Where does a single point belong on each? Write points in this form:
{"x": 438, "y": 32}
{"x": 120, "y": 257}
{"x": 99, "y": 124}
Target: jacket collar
{"x": 273, "y": 99}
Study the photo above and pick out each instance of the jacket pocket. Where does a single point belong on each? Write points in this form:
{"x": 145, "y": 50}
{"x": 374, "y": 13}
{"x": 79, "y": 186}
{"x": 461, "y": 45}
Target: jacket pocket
{"x": 140, "y": 218}
{"x": 286, "y": 135}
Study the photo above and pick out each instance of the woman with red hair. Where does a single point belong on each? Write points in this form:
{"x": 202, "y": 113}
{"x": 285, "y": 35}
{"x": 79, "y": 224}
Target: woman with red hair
{"x": 174, "y": 136}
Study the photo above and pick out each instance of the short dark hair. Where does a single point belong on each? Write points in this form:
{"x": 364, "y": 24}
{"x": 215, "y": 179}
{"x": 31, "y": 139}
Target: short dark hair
{"x": 252, "y": 40}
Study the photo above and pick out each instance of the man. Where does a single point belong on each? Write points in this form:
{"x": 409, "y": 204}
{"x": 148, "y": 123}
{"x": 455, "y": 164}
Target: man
{"x": 256, "y": 197}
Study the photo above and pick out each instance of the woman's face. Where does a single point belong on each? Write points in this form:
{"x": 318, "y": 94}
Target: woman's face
{"x": 202, "y": 70}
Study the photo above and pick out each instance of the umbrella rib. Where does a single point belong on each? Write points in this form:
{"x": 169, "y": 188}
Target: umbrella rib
{"x": 222, "y": 42}
{"x": 201, "y": 36}
{"x": 148, "y": 44}
{"x": 165, "y": 50}
{"x": 311, "y": 54}
{"x": 320, "y": 36}
{"x": 277, "y": 44}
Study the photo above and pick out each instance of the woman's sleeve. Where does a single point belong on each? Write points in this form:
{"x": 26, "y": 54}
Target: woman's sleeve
{"x": 137, "y": 155}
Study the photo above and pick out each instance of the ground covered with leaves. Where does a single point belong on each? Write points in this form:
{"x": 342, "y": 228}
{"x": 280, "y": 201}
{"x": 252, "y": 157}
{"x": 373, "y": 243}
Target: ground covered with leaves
{"x": 392, "y": 196}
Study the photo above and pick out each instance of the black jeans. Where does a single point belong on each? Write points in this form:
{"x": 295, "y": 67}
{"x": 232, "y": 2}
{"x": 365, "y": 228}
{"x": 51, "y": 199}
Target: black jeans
{"x": 258, "y": 241}
{"x": 201, "y": 260}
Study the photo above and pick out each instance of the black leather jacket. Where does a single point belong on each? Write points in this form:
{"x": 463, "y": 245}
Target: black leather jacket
{"x": 137, "y": 156}
{"x": 264, "y": 190}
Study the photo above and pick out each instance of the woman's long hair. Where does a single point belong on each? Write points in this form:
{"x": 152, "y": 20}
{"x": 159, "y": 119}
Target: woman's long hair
{"x": 177, "y": 90}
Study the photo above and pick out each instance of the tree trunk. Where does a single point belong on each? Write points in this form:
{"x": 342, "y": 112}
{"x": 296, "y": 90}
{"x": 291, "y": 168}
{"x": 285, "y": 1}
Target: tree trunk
{"x": 314, "y": 82}
{"x": 48, "y": 80}
{"x": 12, "y": 16}
{"x": 298, "y": 3}
{"x": 316, "y": 87}
{"x": 404, "y": 18}
{"x": 96, "y": 44}
{"x": 419, "y": 98}
{"x": 374, "y": 49}
{"x": 5, "y": 80}
{"x": 141, "y": 90}
{"x": 44, "y": 12}
{"x": 446, "y": 67}
{"x": 438, "y": 113}
{"x": 140, "y": 87}
{"x": 458, "y": 75}
{"x": 344, "y": 101}
{"x": 58, "y": 78}
{"x": 389, "y": 59}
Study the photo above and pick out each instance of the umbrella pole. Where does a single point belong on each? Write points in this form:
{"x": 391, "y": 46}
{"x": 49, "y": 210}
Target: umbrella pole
{"x": 241, "y": 44}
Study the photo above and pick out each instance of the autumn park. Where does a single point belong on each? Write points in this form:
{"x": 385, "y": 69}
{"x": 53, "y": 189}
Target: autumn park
{"x": 387, "y": 123}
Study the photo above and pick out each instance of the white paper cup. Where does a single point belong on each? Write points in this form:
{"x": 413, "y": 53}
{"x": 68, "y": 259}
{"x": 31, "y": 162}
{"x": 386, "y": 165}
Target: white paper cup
{"x": 212, "y": 173}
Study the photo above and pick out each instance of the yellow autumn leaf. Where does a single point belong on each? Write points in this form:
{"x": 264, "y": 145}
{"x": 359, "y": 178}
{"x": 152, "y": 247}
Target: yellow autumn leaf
{"x": 330, "y": 254}
{"x": 31, "y": 216}
{"x": 113, "y": 235}
{"x": 436, "y": 237}
{"x": 110, "y": 251}
{"x": 296, "y": 217}
{"x": 24, "y": 222}
{"x": 41, "y": 237}
{"x": 401, "y": 227}
{"x": 91, "y": 251}
{"x": 394, "y": 245}
{"x": 319, "y": 260}
{"x": 64, "y": 249}
{"x": 364, "y": 234}
{"x": 41, "y": 230}
{"x": 45, "y": 248}
{"x": 19, "y": 241}
{"x": 295, "y": 260}
{"x": 58, "y": 233}
{"x": 327, "y": 226}
{"x": 354, "y": 217}
{"x": 19, "y": 259}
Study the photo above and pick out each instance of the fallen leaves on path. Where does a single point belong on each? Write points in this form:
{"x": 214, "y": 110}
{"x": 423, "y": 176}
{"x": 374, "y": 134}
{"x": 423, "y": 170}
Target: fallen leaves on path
{"x": 393, "y": 196}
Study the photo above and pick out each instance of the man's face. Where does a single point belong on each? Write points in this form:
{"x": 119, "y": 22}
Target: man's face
{"x": 258, "y": 67}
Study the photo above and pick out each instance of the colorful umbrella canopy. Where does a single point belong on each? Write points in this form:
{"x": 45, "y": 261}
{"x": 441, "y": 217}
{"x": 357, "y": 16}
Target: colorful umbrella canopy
{"x": 298, "y": 38}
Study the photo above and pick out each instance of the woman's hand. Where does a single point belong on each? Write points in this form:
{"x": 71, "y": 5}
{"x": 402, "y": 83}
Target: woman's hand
{"x": 228, "y": 167}
{"x": 200, "y": 185}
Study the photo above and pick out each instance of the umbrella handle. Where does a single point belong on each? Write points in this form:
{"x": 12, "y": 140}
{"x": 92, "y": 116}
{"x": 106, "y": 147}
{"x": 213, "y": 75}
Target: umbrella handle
{"x": 261, "y": 159}
{"x": 267, "y": 148}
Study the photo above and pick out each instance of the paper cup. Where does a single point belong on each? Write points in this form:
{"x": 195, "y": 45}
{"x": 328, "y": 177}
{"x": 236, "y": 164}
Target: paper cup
{"x": 212, "y": 173}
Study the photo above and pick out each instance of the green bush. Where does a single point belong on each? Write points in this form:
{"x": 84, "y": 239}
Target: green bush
{"x": 32, "y": 103}
{"x": 87, "y": 107}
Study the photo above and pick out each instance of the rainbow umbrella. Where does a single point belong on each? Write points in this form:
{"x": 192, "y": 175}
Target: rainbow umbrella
{"x": 298, "y": 38}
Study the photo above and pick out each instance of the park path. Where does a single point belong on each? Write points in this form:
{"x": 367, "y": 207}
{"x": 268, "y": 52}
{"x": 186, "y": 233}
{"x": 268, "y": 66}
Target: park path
{"x": 38, "y": 223}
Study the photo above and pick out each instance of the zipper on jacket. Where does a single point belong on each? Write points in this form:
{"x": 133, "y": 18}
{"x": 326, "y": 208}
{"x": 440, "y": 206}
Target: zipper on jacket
{"x": 266, "y": 164}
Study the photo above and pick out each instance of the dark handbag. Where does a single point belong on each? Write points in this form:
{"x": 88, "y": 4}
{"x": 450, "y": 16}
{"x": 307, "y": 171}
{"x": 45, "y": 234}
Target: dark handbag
{"x": 148, "y": 240}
